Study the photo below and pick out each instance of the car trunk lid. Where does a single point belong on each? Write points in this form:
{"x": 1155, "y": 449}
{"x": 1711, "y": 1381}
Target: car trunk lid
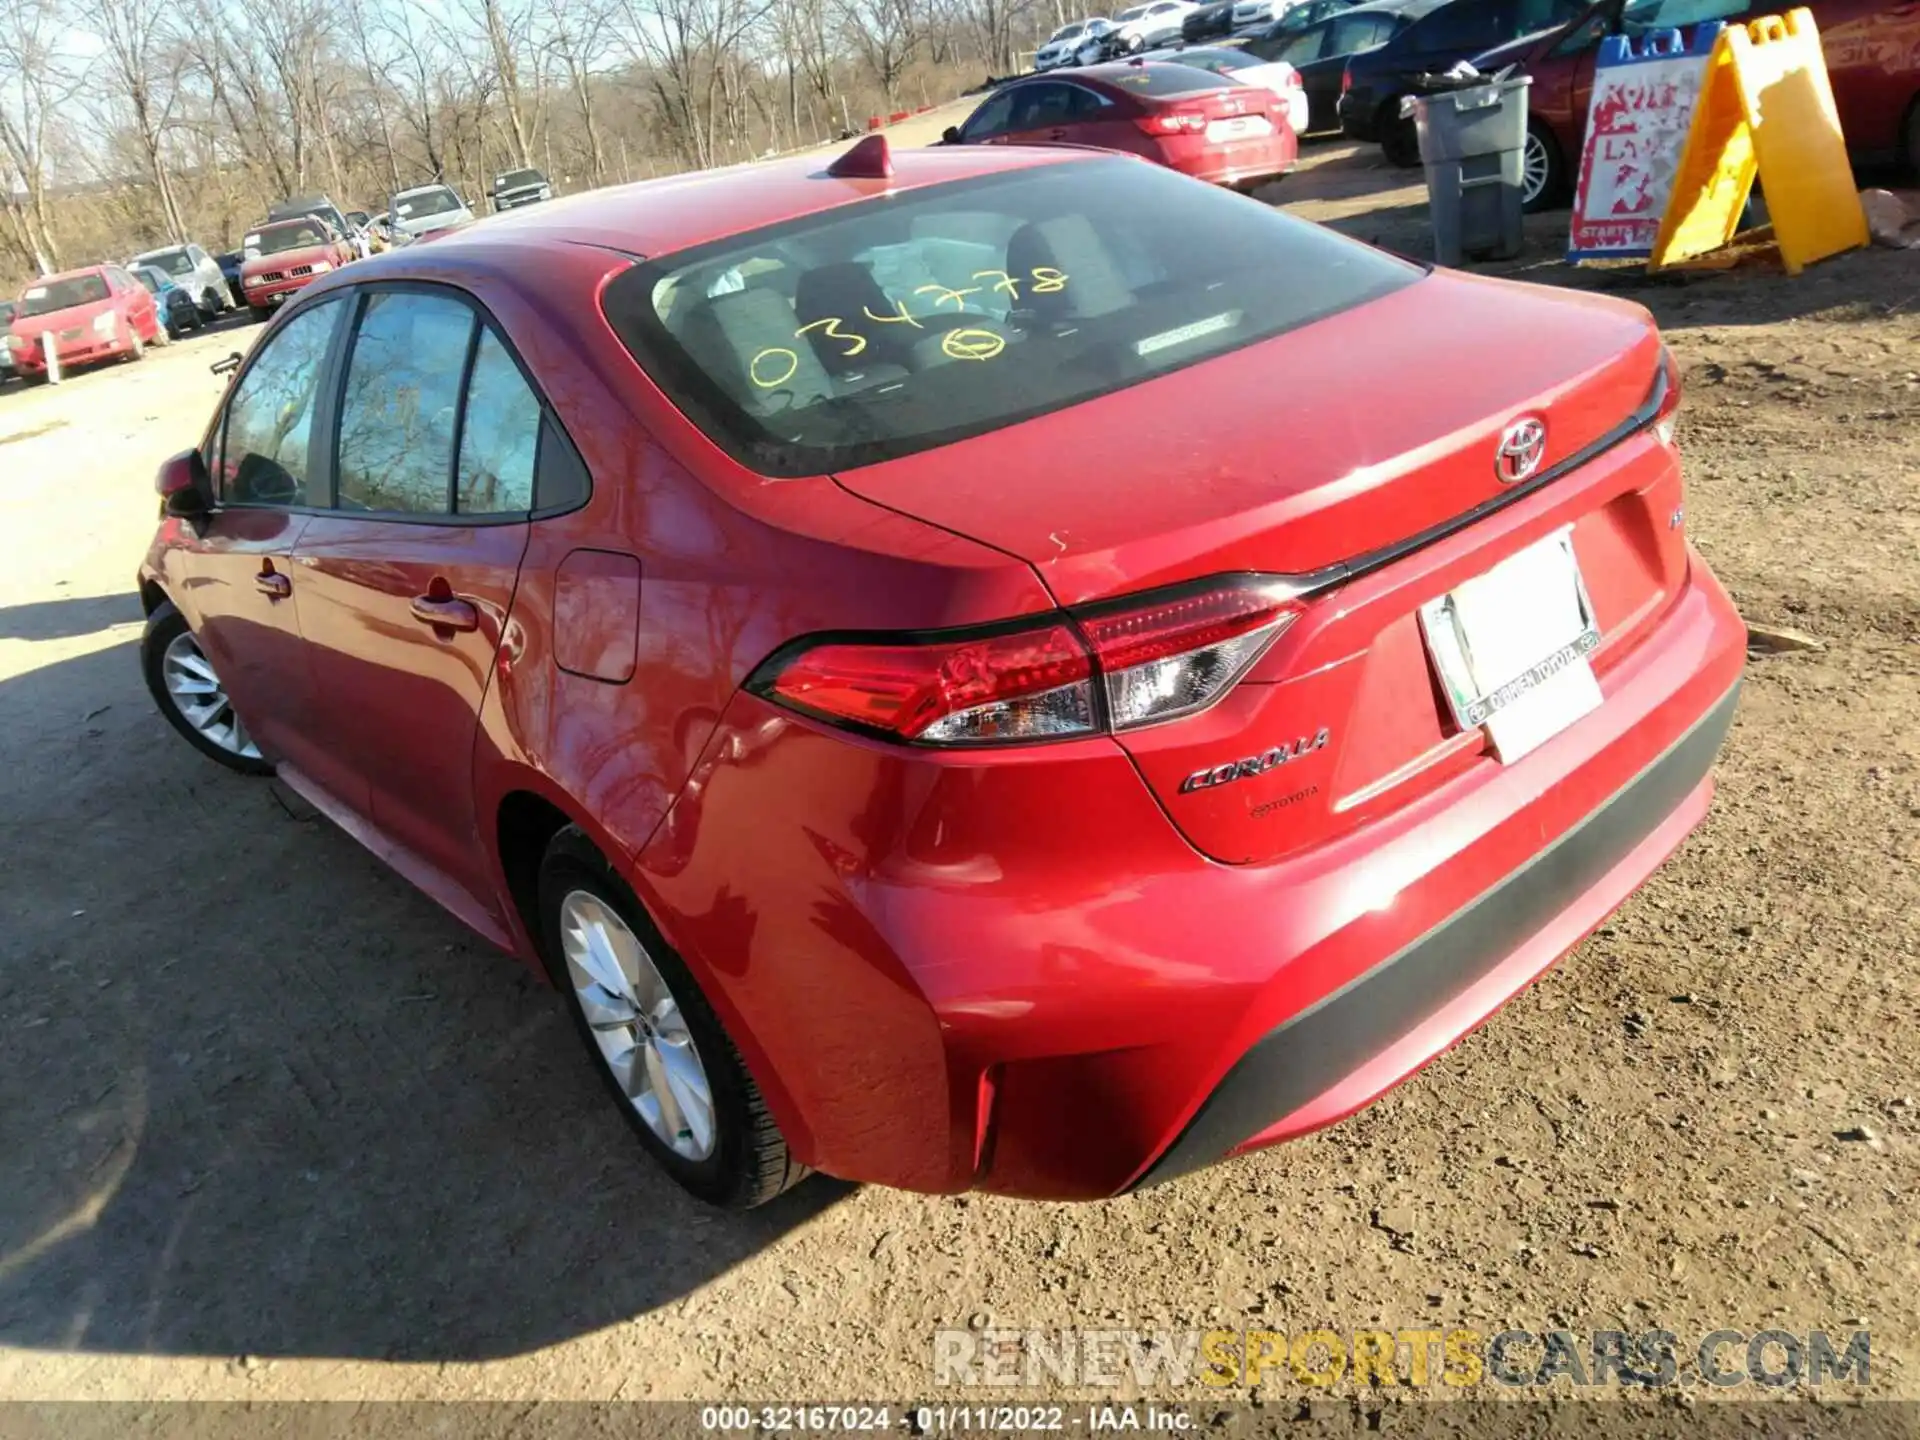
{"x": 1361, "y": 445}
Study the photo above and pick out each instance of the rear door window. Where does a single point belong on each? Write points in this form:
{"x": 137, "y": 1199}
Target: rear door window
{"x": 878, "y": 329}
{"x": 399, "y": 409}
{"x": 1359, "y": 32}
{"x": 1306, "y": 48}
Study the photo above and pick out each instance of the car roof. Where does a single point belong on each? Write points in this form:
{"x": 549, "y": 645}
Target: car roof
{"x": 657, "y": 217}
{"x": 74, "y": 274}
{"x": 162, "y": 250}
{"x": 421, "y": 189}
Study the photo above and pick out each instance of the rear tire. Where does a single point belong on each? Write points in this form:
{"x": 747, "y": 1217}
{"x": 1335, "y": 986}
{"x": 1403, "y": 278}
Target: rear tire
{"x": 747, "y": 1162}
{"x": 173, "y": 664}
{"x": 1543, "y": 172}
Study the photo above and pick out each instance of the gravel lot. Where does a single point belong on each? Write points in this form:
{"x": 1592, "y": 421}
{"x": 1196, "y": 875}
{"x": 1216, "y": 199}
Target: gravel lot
{"x": 274, "y": 1126}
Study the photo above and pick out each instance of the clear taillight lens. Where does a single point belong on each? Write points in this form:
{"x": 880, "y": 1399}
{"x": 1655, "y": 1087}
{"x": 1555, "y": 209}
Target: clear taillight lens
{"x": 1128, "y": 664}
{"x": 1669, "y": 411}
{"x": 1161, "y": 661}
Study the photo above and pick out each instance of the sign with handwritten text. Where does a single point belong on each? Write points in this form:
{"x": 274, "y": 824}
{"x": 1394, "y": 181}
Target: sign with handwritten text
{"x": 1643, "y": 98}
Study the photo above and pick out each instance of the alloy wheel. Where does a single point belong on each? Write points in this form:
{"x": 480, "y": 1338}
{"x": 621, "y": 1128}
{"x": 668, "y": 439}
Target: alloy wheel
{"x": 1534, "y": 169}
{"x": 197, "y": 694}
{"x": 637, "y": 1024}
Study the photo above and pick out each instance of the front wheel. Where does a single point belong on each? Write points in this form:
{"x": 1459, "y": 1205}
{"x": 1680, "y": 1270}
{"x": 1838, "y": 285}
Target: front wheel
{"x": 191, "y": 696}
{"x": 657, "y": 1044}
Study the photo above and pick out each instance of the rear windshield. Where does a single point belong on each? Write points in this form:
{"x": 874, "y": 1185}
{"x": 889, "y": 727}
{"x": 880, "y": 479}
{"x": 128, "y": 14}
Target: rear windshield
{"x": 1161, "y": 78}
{"x": 63, "y": 294}
{"x": 894, "y": 325}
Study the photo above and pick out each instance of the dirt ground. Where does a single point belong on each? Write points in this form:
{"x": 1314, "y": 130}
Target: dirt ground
{"x": 273, "y": 1126}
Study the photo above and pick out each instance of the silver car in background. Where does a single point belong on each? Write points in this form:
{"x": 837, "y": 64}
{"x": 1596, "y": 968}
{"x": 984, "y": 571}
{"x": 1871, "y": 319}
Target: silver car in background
{"x": 425, "y": 209}
{"x": 194, "y": 271}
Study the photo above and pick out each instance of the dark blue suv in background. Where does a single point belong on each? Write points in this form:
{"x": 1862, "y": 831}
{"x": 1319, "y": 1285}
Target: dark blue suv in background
{"x": 1376, "y": 79}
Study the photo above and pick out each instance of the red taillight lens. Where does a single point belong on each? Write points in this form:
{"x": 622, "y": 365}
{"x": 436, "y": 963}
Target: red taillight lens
{"x": 1142, "y": 661}
{"x": 1669, "y": 409}
{"x": 1162, "y": 660}
{"x": 1030, "y": 685}
{"x": 1173, "y": 122}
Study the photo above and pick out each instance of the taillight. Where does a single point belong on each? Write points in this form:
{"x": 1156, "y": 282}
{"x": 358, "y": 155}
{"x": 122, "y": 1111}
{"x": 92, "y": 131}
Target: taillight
{"x": 1173, "y": 122}
{"x": 1170, "y": 658}
{"x": 1111, "y": 667}
{"x": 1669, "y": 409}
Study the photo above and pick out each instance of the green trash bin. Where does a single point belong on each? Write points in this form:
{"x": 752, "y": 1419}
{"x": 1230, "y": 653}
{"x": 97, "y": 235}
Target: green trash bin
{"x": 1473, "y": 138}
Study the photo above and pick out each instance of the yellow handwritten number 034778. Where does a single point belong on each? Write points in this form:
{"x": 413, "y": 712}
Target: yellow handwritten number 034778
{"x": 776, "y": 365}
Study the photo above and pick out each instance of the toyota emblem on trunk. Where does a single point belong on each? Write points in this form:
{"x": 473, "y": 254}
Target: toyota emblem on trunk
{"x": 1522, "y": 444}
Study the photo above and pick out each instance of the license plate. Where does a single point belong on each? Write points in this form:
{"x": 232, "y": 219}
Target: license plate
{"x": 1511, "y": 647}
{"x": 1238, "y": 128}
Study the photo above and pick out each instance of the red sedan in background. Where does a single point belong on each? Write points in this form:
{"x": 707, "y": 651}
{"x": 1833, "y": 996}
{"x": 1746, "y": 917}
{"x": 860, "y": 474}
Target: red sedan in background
{"x": 1872, "y": 50}
{"x": 285, "y": 257}
{"x": 1201, "y": 124}
{"x": 99, "y": 313}
{"x": 947, "y": 662}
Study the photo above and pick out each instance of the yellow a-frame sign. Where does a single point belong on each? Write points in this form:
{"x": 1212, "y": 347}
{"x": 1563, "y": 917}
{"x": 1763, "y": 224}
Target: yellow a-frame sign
{"x": 1766, "y": 109}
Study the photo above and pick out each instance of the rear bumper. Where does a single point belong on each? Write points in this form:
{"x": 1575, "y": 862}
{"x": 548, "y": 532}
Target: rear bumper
{"x": 1012, "y": 974}
{"x": 1235, "y": 162}
{"x": 1356, "y": 112}
{"x": 1413, "y": 1005}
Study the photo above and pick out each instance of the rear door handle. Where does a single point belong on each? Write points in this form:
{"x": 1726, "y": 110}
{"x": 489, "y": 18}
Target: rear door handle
{"x": 272, "y": 584}
{"x": 445, "y": 614}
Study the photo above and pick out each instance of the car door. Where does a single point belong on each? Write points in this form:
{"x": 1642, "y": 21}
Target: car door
{"x": 405, "y": 585}
{"x": 236, "y": 585}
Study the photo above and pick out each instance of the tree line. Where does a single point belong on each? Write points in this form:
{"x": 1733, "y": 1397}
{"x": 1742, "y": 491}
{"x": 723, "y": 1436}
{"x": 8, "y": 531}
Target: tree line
{"x": 130, "y": 123}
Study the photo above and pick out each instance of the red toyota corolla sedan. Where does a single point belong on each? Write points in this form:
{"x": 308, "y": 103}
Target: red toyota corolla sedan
{"x": 1209, "y": 126}
{"x": 950, "y": 665}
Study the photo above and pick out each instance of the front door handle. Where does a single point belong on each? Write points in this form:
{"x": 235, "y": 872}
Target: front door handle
{"x": 272, "y": 584}
{"x": 445, "y": 614}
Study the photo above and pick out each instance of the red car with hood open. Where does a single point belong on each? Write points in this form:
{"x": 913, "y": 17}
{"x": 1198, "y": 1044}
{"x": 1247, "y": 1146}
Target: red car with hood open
{"x": 945, "y": 659}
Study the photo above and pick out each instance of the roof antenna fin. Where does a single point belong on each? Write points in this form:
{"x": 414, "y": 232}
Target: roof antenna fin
{"x": 867, "y": 160}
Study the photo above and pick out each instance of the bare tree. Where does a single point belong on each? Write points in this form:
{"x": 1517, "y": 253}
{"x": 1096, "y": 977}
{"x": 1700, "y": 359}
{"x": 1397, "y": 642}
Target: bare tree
{"x": 35, "y": 80}
{"x": 142, "y": 64}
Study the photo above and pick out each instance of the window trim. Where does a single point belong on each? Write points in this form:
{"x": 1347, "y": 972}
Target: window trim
{"x": 332, "y": 383}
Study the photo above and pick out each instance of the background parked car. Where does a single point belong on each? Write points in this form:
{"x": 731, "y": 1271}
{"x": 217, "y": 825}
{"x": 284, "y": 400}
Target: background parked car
{"x": 1207, "y": 22}
{"x": 179, "y": 311}
{"x": 318, "y": 206}
{"x": 1189, "y": 120}
{"x": 428, "y": 208}
{"x": 1060, "y": 46}
{"x": 99, "y": 313}
{"x": 1296, "y": 18}
{"x": 1872, "y": 53}
{"x": 7, "y": 307}
{"x": 1376, "y": 79}
{"x": 1142, "y": 27}
{"x": 285, "y": 257}
{"x": 194, "y": 271}
{"x": 514, "y": 188}
{"x": 1234, "y": 63}
{"x": 1319, "y": 52}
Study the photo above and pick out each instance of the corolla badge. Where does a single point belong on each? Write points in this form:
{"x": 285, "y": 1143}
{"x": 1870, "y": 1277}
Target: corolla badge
{"x": 1523, "y": 445}
{"x": 1266, "y": 760}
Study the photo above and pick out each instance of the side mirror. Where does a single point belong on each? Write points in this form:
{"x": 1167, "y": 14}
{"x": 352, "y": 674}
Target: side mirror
{"x": 186, "y": 491}
{"x": 950, "y": 136}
